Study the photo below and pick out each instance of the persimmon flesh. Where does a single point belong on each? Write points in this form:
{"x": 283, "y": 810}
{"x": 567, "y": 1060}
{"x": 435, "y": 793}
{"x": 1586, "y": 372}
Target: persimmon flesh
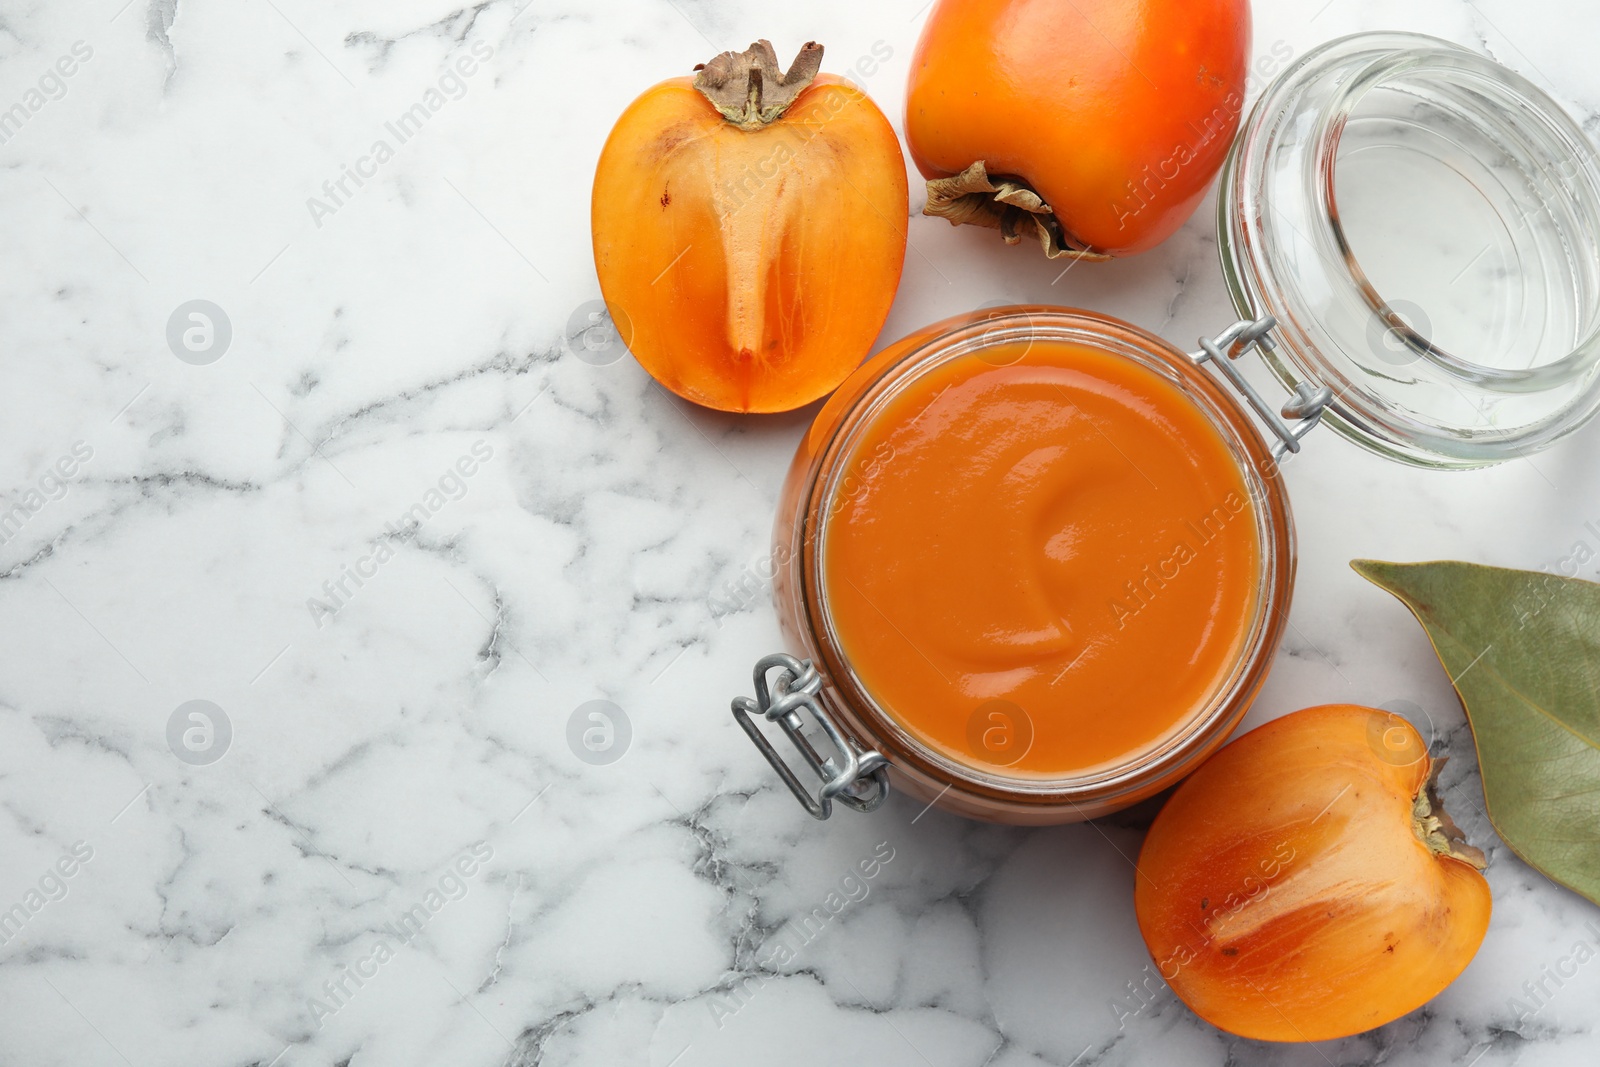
{"x": 1304, "y": 883}
{"x": 749, "y": 230}
{"x": 1097, "y": 124}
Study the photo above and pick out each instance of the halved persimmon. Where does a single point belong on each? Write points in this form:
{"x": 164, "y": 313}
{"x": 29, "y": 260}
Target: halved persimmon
{"x": 1304, "y": 884}
{"x": 1095, "y": 125}
{"x": 749, "y": 230}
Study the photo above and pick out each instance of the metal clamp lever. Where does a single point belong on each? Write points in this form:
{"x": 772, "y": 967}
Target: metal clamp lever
{"x": 1308, "y": 403}
{"x": 857, "y": 779}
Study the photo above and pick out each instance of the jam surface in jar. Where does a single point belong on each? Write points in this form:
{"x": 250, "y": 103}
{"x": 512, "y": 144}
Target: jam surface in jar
{"x": 1045, "y": 561}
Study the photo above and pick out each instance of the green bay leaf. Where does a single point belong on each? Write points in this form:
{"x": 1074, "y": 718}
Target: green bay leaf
{"x": 1522, "y": 649}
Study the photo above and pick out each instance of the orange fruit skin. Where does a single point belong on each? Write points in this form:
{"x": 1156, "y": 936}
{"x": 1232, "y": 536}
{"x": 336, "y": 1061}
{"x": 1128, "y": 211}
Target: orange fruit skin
{"x": 750, "y": 270}
{"x": 1284, "y": 894}
{"x": 1118, "y": 112}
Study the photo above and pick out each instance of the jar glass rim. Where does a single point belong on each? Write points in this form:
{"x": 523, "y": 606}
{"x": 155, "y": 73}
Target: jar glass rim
{"x": 967, "y": 336}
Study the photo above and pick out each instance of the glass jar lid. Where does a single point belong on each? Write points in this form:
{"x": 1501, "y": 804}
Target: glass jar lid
{"x": 1425, "y": 226}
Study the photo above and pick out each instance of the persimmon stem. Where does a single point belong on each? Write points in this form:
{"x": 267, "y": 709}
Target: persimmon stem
{"x": 750, "y": 89}
{"x": 752, "y": 92}
{"x": 1009, "y": 205}
{"x": 1436, "y": 829}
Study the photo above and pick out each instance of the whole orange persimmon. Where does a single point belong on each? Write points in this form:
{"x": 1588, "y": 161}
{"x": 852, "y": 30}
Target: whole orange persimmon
{"x": 749, "y": 230}
{"x": 1304, "y": 884}
{"x": 1095, "y": 125}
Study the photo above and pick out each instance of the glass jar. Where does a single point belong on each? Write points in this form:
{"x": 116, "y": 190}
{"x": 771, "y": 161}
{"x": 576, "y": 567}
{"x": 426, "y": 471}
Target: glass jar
{"x": 1411, "y": 234}
{"x": 1425, "y": 226}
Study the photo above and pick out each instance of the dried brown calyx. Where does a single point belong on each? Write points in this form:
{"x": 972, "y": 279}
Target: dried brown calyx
{"x": 750, "y": 89}
{"x": 973, "y": 198}
{"x": 1435, "y": 827}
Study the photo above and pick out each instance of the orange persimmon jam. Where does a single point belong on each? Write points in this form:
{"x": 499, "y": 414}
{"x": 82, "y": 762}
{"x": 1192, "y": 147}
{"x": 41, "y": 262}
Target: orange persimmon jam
{"x": 1048, "y": 563}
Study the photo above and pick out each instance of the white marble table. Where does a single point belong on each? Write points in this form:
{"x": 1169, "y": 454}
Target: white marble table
{"x": 397, "y": 858}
